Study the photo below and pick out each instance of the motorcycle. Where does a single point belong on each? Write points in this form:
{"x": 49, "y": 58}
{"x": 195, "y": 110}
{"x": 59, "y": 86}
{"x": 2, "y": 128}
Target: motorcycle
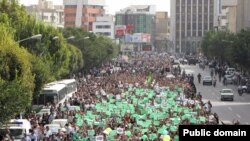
{"x": 240, "y": 90}
{"x": 214, "y": 82}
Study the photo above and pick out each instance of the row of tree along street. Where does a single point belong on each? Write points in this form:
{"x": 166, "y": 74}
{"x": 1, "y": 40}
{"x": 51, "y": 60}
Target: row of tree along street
{"x": 227, "y": 47}
{"x": 26, "y": 66}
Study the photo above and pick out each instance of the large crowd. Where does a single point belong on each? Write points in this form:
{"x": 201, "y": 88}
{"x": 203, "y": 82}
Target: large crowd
{"x": 130, "y": 100}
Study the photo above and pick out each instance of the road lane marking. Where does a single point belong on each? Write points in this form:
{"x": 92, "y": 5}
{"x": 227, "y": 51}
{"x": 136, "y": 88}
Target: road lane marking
{"x": 223, "y": 103}
{"x": 247, "y": 123}
{"x": 238, "y": 115}
{"x": 230, "y": 108}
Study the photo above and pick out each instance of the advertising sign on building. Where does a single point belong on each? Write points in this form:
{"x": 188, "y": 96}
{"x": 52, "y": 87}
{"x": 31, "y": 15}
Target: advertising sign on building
{"x": 146, "y": 37}
{"x": 127, "y": 47}
{"x": 120, "y": 30}
{"x": 147, "y": 48}
{"x": 137, "y": 37}
{"x": 141, "y": 38}
{"x": 128, "y": 38}
{"x": 129, "y": 28}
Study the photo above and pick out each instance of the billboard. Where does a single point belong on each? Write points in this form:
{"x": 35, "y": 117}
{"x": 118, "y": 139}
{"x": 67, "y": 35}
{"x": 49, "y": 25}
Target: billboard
{"x": 127, "y": 47}
{"x": 137, "y": 38}
{"x": 141, "y": 38}
{"x": 146, "y": 38}
{"x": 128, "y": 38}
{"x": 147, "y": 48}
{"x": 120, "y": 30}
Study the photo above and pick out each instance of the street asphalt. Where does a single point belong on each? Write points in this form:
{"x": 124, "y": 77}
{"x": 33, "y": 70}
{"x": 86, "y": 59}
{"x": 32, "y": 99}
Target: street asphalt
{"x": 227, "y": 110}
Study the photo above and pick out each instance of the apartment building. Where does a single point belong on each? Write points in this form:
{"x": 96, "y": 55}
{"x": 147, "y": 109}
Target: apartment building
{"x": 104, "y": 26}
{"x": 82, "y": 13}
{"x": 47, "y": 12}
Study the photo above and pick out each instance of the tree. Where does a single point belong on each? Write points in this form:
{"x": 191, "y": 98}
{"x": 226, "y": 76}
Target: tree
{"x": 215, "y": 45}
{"x": 50, "y": 59}
{"x": 16, "y": 79}
{"x": 95, "y": 49}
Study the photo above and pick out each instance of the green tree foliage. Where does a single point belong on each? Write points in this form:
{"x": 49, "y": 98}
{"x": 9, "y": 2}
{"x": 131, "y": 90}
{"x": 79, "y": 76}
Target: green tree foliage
{"x": 16, "y": 79}
{"x": 95, "y": 49}
{"x": 76, "y": 59}
{"x": 225, "y": 46}
{"x": 51, "y": 59}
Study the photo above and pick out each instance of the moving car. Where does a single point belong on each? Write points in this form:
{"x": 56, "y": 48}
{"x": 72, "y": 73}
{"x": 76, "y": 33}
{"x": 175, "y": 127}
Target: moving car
{"x": 227, "y": 94}
{"x": 230, "y": 71}
{"x": 229, "y": 78}
{"x": 207, "y": 80}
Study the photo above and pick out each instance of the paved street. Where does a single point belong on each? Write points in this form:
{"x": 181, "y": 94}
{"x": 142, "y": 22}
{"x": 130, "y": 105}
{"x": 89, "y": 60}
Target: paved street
{"x": 227, "y": 110}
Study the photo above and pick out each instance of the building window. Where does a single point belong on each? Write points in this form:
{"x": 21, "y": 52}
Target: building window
{"x": 177, "y": 2}
{"x": 70, "y": 6}
{"x": 188, "y": 26}
{"x": 199, "y": 33}
{"x": 177, "y": 9}
{"x": 194, "y": 33}
{"x": 107, "y": 26}
{"x": 188, "y": 33}
{"x": 104, "y": 33}
{"x": 70, "y": 14}
{"x": 69, "y": 23}
{"x": 45, "y": 17}
{"x": 99, "y": 26}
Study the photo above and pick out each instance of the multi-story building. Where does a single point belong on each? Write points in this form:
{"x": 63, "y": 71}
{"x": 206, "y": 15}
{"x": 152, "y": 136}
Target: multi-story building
{"x": 162, "y": 31}
{"x": 82, "y": 13}
{"x": 48, "y": 13}
{"x": 190, "y": 19}
{"x": 243, "y": 15}
{"x": 138, "y": 19}
{"x": 104, "y": 26}
{"x": 234, "y": 15}
{"x": 228, "y": 15}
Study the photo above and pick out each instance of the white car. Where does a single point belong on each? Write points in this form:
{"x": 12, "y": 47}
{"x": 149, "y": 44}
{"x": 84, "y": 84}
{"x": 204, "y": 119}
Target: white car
{"x": 207, "y": 80}
{"x": 230, "y": 71}
{"x": 227, "y": 94}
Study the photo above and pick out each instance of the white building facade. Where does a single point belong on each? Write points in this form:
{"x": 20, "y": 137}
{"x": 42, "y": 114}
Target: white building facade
{"x": 190, "y": 19}
{"x": 104, "y": 26}
{"x": 47, "y": 12}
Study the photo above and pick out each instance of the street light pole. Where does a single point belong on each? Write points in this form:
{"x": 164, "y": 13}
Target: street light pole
{"x": 71, "y": 37}
{"x": 38, "y": 36}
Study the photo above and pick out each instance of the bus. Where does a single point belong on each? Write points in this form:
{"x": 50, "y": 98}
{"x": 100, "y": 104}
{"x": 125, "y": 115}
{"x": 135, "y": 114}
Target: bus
{"x": 71, "y": 86}
{"x": 52, "y": 94}
{"x": 57, "y": 92}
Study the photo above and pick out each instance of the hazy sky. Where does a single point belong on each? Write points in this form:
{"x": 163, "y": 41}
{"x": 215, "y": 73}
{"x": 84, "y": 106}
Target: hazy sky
{"x": 115, "y": 5}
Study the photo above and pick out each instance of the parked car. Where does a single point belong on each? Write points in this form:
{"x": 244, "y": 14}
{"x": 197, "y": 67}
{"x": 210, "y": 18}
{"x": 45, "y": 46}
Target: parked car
{"x": 227, "y": 94}
{"x": 207, "y": 80}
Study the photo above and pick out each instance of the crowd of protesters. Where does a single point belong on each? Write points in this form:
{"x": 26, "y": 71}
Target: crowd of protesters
{"x": 112, "y": 80}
